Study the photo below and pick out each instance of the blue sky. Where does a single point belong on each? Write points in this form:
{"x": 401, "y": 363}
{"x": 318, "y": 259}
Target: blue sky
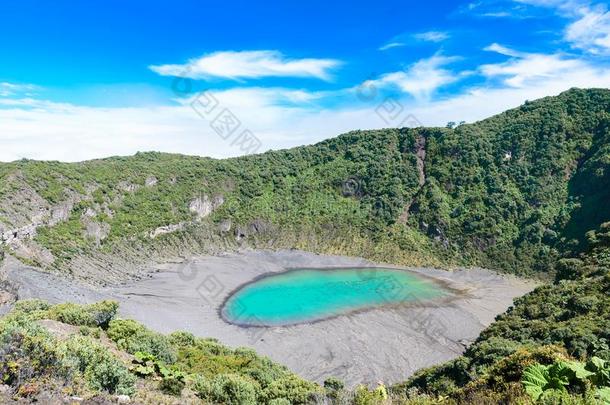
{"x": 81, "y": 80}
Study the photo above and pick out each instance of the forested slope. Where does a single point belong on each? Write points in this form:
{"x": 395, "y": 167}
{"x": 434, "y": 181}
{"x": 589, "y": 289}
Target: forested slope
{"x": 556, "y": 323}
{"x": 513, "y": 192}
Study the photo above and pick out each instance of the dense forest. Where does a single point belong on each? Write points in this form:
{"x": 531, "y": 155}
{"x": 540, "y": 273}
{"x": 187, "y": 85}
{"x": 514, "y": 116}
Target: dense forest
{"x": 525, "y": 192}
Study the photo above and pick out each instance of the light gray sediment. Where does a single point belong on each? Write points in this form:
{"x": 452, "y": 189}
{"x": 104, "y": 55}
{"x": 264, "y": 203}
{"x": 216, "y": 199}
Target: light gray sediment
{"x": 386, "y": 344}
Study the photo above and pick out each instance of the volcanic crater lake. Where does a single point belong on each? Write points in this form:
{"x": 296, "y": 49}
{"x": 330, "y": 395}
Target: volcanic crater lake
{"x": 307, "y": 295}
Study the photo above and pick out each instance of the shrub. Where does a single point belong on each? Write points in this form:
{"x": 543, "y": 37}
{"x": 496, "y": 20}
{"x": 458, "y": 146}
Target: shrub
{"x": 102, "y": 370}
{"x": 89, "y": 331}
{"x": 569, "y": 269}
{"x": 27, "y": 350}
{"x": 555, "y": 381}
{"x": 94, "y": 315}
{"x": 172, "y": 385}
{"x": 333, "y": 384}
{"x": 146, "y": 365}
{"x": 181, "y": 338}
{"x": 334, "y": 387}
{"x": 364, "y": 396}
{"x": 28, "y": 306}
{"x": 229, "y": 389}
{"x": 133, "y": 337}
{"x": 279, "y": 401}
{"x": 292, "y": 388}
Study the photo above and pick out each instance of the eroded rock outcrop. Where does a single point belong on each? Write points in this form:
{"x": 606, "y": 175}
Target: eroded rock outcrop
{"x": 163, "y": 230}
{"x": 203, "y": 206}
{"x": 151, "y": 181}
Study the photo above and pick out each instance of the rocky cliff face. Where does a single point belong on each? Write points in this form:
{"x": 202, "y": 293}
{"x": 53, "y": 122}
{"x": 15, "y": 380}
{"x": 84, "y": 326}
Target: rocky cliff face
{"x": 23, "y": 212}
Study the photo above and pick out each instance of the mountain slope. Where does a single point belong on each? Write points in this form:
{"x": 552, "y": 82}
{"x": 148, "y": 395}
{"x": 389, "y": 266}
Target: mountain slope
{"x": 567, "y": 319}
{"x": 512, "y": 192}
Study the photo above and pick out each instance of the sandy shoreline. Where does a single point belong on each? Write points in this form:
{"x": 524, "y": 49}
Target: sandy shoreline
{"x": 386, "y": 344}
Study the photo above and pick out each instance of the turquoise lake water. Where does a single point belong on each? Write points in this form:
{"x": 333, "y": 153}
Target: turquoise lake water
{"x": 305, "y": 295}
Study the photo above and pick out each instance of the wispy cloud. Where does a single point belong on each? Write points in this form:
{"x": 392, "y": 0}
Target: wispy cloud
{"x": 528, "y": 69}
{"x": 432, "y": 36}
{"x": 11, "y": 89}
{"x": 41, "y": 129}
{"x": 391, "y": 45}
{"x": 589, "y": 29}
{"x": 413, "y": 38}
{"x": 495, "y": 47}
{"x": 422, "y": 78}
{"x": 249, "y": 65}
{"x": 497, "y": 14}
{"x": 501, "y": 9}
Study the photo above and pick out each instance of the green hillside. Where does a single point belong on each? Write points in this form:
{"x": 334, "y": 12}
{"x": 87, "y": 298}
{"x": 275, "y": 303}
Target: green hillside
{"x": 513, "y": 192}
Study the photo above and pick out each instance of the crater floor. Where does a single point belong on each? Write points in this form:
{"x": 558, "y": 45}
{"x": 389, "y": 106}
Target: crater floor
{"x": 385, "y": 344}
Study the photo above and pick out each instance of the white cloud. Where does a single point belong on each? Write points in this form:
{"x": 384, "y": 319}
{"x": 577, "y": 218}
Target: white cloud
{"x": 589, "y": 29}
{"x": 422, "y": 78}
{"x": 482, "y": 102}
{"x": 527, "y": 69}
{"x": 281, "y": 117}
{"x": 42, "y": 129}
{"x": 407, "y": 38}
{"x": 497, "y": 14}
{"x": 391, "y": 45}
{"x": 11, "y": 89}
{"x": 542, "y": 3}
{"x": 46, "y": 130}
{"x": 495, "y": 47}
{"x": 591, "y": 32}
{"x": 432, "y": 36}
{"x": 249, "y": 64}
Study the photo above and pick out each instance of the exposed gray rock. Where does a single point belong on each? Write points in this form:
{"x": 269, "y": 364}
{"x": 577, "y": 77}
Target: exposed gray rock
{"x": 90, "y": 213}
{"x": 259, "y": 226}
{"x": 96, "y": 230}
{"x": 61, "y": 213}
{"x": 240, "y": 233}
{"x": 151, "y": 181}
{"x": 128, "y": 187}
{"x": 123, "y": 399}
{"x": 204, "y": 206}
{"x": 225, "y": 225}
{"x": 162, "y": 230}
{"x": 29, "y": 249}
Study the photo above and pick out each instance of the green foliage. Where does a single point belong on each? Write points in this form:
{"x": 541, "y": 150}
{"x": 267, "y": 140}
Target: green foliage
{"x": 540, "y": 380}
{"x": 295, "y": 389}
{"x": 181, "y": 338}
{"x": 572, "y": 315}
{"x": 95, "y": 315}
{"x": 29, "y": 306}
{"x": 172, "y": 384}
{"x": 364, "y": 396}
{"x": 133, "y": 337}
{"x": 333, "y": 384}
{"x": 102, "y": 370}
{"x": 557, "y": 379}
{"x": 28, "y": 353}
{"x": 147, "y": 365}
{"x": 228, "y": 389}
